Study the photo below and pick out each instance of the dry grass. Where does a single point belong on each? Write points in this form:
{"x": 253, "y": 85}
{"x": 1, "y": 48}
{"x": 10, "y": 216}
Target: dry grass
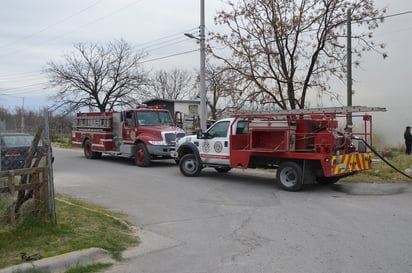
{"x": 382, "y": 172}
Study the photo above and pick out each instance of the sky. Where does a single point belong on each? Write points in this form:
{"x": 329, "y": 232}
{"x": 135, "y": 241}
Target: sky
{"x": 33, "y": 33}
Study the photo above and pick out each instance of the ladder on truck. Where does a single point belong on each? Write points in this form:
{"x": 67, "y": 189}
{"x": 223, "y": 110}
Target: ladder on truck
{"x": 326, "y": 110}
{"x": 84, "y": 122}
{"x": 336, "y": 110}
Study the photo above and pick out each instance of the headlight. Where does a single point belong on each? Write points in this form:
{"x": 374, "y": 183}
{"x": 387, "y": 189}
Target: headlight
{"x": 156, "y": 142}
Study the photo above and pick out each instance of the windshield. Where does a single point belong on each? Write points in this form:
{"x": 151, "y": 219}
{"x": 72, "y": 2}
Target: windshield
{"x": 16, "y": 140}
{"x": 154, "y": 118}
{"x": 219, "y": 129}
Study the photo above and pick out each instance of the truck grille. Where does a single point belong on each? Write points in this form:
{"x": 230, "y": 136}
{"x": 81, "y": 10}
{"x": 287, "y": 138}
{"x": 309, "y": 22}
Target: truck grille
{"x": 171, "y": 137}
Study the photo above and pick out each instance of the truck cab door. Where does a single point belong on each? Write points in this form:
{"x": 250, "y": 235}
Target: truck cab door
{"x": 129, "y": 124}
{"x": 214, "y": 145}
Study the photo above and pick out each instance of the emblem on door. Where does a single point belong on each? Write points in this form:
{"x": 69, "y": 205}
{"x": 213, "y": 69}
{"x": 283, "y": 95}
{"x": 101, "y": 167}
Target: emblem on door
{"x": 206, "y": 147}
{"x": 218, "y": 146}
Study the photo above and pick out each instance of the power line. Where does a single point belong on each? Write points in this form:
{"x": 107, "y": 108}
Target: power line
{"x": 381, "y": 17}
{"x": 43, "y": 83}
{"x": 161, "y": 40}
{"x": 28, "y": 88}
{"x": 180, "y": 40}
{"x": 12, "y": 75}
{"x": 52, "y": 25}
{"x": 169, "y": 56}
{"x": 152, "y": 45}
{"x": 19, "y": 78}
{"x": 105, "y": 16}
{"x": 82, "y": 26}
{"x": 396, "y": 14}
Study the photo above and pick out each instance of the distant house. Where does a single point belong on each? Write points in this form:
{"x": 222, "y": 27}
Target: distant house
{"x": 188, "y": 108}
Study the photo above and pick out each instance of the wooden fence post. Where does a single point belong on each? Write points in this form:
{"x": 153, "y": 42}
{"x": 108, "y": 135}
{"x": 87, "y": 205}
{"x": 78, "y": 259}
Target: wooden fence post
{"x": 36, "y": 191}
{"x": 12, "y": 189}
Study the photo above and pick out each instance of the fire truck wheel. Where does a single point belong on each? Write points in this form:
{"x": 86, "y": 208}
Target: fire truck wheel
{"x": 88, "y": 152}
{"x": 189, "y": 166}
{"x": 223, "y": 169}
{"x": 289, "y": 176}
{"x": 142, "y": 157}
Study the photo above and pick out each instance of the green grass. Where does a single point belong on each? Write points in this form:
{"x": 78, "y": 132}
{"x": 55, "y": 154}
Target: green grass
{"x": 382, "y": 172}
{"x": 89, "y": 268}
{"x": 79, "y": 226}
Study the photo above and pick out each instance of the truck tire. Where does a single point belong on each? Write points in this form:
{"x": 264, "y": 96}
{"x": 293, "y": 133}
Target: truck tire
{"x": 88, "y": 152}
{"x": 289, "y": 176}
{"x": 189, "y": 166}
{"x": 142, "y": 156}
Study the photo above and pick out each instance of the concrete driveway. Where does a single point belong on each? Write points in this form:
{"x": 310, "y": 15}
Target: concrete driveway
{"x": 242, "y": 222}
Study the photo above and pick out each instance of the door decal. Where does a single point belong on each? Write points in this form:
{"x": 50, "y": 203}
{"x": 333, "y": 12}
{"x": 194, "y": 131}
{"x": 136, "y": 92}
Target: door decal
{"x": 206, "y": 147}
{"x": 218, "y": 146}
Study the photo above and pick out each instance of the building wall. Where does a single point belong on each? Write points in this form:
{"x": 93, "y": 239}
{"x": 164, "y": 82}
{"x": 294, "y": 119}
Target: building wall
{"x": 187, "y": 108}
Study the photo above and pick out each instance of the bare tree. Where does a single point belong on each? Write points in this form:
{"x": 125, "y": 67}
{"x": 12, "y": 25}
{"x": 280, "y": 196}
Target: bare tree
{"x": 224, "y": 90}
{"x": 174, "y": 84}
{"x": 283, "y": 49}
{"x": 98, "y": 76}
{"x": 216, "y": 87}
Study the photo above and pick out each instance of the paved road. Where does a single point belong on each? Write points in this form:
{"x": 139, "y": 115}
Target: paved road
{"x": 241, "y": 222}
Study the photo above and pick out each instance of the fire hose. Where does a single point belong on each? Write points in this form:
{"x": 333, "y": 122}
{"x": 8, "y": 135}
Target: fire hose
{"x": 383, "y": 159}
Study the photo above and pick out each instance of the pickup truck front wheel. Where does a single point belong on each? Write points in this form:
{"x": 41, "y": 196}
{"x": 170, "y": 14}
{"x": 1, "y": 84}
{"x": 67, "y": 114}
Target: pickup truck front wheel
{"x": 289, "y": 176}
{"x": 189, "y": 166}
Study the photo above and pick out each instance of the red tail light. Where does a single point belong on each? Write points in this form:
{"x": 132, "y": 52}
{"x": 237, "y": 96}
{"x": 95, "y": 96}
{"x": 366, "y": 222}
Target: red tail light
{"x": 12, "y": 153}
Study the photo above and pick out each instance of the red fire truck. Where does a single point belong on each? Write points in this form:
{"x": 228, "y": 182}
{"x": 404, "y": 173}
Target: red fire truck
{"x": 144, "y": 133}
{"x": 305, "y": 146}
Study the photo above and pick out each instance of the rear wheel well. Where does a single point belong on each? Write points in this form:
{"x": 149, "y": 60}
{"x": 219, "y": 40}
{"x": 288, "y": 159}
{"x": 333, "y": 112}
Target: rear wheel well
{"x": 84, "y": 141}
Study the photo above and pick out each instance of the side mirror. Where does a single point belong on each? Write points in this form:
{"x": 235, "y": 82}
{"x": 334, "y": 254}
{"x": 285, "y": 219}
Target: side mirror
{"x": 199, "y": 133}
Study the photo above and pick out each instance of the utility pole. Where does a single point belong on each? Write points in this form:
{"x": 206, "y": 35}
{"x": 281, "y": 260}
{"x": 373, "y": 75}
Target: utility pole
{"x": 22, "y": 116}
{"x": 203, "y": 106}
{"x": 202, "y": 91}
{"x": 349, "y": 67}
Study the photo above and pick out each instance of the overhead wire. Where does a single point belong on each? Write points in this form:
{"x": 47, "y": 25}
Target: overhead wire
{"x": 17, "y": 91}
{"x": 161, "y": 46}
{"x": 153, "y": 45}
{"x": 169, "y": 56}
{"x": 81, "y": 26}
{"x": 52, "y": 25}
{"x": 100, "y": 18}
{"x": 165, "y": 38}
{"x": 383, "y": 17}
{"x": 2, "y": 90}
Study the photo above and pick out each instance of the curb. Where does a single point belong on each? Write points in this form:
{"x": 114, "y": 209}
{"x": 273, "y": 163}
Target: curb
{"x": 65, "y": 261}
